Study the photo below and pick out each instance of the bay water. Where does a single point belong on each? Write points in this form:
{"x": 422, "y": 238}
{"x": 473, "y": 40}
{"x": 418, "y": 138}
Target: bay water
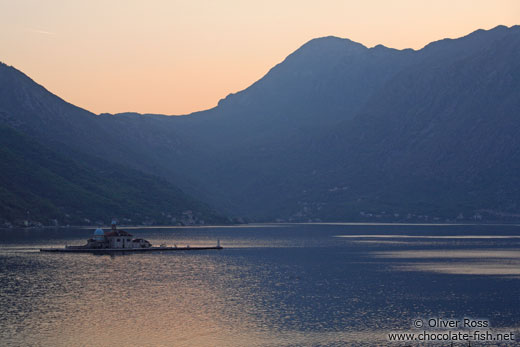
{"x": 272, "y": 285}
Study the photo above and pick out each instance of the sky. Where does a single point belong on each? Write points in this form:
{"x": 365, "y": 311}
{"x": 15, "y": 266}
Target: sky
{"x": 180, "y": 56}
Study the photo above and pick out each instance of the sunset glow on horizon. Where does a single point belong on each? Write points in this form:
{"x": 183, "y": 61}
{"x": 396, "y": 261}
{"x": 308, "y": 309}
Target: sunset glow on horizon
{"x": 177, "y": 57}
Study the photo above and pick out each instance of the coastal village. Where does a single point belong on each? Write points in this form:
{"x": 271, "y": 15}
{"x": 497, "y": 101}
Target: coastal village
{"x": 305, "y": 215}
{"x": 186, "y": 218}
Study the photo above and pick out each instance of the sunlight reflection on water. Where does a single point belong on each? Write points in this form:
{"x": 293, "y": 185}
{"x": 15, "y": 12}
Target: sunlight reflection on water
{"x": 497, "y": 262}
{"x": 291, "y": 286}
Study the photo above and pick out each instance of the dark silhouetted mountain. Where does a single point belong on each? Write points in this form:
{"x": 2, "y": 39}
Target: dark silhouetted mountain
{"x": 336, "y": 131}
{"x": 375, "y": 130}
{"x": 439, "y": 136}
{"x": 44, "y": 186}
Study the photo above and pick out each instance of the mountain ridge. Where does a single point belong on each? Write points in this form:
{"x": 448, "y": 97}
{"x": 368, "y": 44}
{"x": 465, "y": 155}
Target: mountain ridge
{"x": 39, "y": 186}
{"x": 338, "y": 133}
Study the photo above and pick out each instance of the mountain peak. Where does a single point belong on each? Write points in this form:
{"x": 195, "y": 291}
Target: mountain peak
{"x": 474, "y": 39}
{"x": 330, "y": 45}
{"x": 319, "y": 50}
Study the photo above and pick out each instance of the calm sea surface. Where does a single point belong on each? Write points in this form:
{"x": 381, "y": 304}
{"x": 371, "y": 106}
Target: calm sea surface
{"x": 271, "y": 285}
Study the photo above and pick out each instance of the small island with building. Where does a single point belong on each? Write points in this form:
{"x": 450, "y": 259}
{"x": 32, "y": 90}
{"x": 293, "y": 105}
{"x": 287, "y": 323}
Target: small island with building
{"x": 117, "y": 240}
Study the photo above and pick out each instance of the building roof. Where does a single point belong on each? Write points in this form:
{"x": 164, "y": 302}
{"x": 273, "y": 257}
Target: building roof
{"x": 118, "y": 233}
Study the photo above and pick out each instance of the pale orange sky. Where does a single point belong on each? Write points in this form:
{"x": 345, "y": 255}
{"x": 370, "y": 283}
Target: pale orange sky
{"x": 176, "y": 57}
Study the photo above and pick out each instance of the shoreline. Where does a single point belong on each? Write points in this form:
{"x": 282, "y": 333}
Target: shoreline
{"x": 261, "y": 225}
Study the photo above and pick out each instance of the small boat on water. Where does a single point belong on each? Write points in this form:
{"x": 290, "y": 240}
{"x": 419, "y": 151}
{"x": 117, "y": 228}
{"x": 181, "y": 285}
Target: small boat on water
{"x": 117, "y": 241}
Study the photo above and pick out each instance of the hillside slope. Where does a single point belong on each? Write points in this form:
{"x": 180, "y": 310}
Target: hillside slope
{"x": 42, "y": 186}
{"x": 336, "y": 131}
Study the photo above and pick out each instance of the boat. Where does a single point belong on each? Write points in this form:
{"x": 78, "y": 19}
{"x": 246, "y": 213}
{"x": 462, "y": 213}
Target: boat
{"x": 121, "y": 241}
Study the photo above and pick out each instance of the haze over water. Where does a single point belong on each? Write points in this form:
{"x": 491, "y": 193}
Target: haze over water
{"x": 271, "y": 285}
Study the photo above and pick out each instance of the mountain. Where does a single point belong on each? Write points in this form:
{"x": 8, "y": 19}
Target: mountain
{"x": 43, "y": 187}
{"x": 337, "y": 131}
{"x": 441, "y": 133}
{"x": 95, "y": 150}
